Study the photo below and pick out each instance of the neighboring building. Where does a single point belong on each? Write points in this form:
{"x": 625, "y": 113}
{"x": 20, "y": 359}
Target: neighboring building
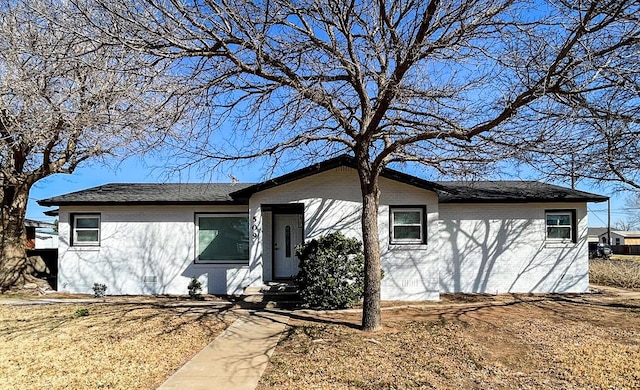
{"x": 622, "y": 237}
{"x": 435, "y": 237}
{"x": 46, "y": 240}
{"x": 35, "y": 237}
{"x": 597, "y": 235}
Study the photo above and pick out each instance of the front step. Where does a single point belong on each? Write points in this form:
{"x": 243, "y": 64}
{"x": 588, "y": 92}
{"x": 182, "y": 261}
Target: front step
{"x": 273, "y": 288}
{"x": 273, "y": 294}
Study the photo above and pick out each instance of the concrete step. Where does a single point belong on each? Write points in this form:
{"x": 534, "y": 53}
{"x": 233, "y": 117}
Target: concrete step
{"x": 272, "y": 288}
{"x": 272, "y": 294}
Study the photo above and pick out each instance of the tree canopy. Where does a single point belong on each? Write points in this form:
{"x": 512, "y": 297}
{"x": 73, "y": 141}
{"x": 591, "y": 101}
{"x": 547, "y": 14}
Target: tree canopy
{"x": 66, "y": 98}
{"x": 453, "y": 85}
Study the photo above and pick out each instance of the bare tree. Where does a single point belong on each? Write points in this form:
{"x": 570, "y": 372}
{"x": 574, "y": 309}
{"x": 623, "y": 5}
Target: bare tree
{"x": 65, "y": 99}
{"x": 623, "y": 225}
{"x": 596, "y": 141}
{"x": 450, "y": 84}
{"x": 631, "y": 220}
{"x": 597, "y": 125}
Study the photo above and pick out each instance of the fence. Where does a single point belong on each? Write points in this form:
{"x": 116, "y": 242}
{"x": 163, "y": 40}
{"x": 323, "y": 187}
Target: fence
{"x": 626, "y": 249}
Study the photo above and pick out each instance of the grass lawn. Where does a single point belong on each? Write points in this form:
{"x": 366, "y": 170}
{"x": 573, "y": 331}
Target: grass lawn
{"x": 635, "y": 258}
{"x": 121, "y": 345}
{"x": 548, "y": 342}
{"x": 618, "y": 272}
{"x": 482, "y": 342}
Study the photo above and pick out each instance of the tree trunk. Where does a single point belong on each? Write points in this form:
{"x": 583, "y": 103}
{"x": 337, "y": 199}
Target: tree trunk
{"x": 371, "y": 315}
{"x": 14, "y": 270}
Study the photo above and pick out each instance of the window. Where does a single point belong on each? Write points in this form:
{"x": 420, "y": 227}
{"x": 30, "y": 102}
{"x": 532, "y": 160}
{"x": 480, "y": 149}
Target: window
{"x": 86, "y": 229}
{"x": 222, "y": 238}
{"x": 617, "y": 241}
{"x": 407, "y": 225}
{"x": 561, "y": 225}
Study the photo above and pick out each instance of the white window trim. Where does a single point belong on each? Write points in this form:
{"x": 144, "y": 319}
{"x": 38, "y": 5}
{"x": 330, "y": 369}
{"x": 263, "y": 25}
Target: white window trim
{"x": 197, "y": 238}
{"x": 572, "y": 228}
{"x": 405, "y": 241}
{"x": 76, "y": 229}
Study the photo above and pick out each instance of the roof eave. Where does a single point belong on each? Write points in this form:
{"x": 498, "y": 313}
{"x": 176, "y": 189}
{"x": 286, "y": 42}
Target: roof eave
{"x": 140, "y": 203}
{"x": 595, "y": 199}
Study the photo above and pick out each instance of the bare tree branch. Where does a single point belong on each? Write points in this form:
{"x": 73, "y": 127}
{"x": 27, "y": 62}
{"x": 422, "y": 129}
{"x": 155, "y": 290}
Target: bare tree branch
{"x": 452, "y": 85}
{"x": 66, "y": 98}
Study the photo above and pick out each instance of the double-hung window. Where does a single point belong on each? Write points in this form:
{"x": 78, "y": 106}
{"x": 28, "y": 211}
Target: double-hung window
{"x": 407, "y": 225}
{"x": 561, "y": 225}
{"x": 222, "y": 238}
{"x": 86, "y": 229}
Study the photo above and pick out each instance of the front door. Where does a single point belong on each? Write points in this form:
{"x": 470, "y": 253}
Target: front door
{"x": 286, "y": 235}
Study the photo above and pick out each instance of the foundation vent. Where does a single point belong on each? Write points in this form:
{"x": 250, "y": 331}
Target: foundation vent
{"x": 150, "y": 279}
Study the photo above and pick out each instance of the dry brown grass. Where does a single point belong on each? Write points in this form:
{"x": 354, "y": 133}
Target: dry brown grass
{"x": 527, "y": 343}
{"x": 124, "y": 345}
{"x": 483, "y": 342}
{"x": 615, "y": 273}
{"x": 635, "y": 258}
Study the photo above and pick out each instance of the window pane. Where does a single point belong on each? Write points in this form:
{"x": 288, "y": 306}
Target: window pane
{"x": 406, "y": 218}
{"x": 558, "y": 219}
{"x": 86, "y": 235}
{"x": 87, "y": 222}
{"x": 223, "y": 238}
{"x": 406, "y": 232}
{"x": 287, "y": 239}
{"x": 558, "y": 232}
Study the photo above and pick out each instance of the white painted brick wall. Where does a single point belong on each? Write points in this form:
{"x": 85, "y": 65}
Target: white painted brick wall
{"x": 332, "y": 201}
{"x": 499, "y": 248}
{"x": 470, "y": 248}
{"x": 141, "y": 243}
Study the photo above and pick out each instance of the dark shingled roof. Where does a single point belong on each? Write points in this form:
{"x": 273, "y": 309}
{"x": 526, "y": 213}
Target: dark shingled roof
{"x": 151, "y": 194}
{"x": 510, "y": 192}
{"x": 220, "y": 193}
{"x": 448, "y": 191}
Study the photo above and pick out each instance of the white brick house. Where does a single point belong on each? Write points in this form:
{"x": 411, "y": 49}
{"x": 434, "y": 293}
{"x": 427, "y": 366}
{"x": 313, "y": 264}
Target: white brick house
{"x": 480, "y": 237}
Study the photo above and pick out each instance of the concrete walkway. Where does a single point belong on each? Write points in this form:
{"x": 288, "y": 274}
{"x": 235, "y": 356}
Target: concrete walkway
{"x": 234, "y": 360}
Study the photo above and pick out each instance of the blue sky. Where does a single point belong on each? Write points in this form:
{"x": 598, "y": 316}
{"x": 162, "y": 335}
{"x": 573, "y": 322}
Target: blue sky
{"x": 135, "y": 170}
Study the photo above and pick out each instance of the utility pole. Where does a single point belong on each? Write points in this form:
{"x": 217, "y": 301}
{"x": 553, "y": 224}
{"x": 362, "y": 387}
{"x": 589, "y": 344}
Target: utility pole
{"x": 609, "y": 221}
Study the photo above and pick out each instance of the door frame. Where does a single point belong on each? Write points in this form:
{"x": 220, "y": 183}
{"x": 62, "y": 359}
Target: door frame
{"x": 283, "y": 209}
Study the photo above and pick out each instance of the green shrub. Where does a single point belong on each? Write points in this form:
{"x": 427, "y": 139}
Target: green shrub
{"x": 195, "y": 289}
{"x": 81, "y": 313}
{"x": 99, "y": 290}
{"x": 331, "y": 271}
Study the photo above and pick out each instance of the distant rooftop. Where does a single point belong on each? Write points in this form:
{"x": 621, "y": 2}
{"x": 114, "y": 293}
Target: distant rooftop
{"x": 37, "y": 224}
{"x": 626, "y": 234}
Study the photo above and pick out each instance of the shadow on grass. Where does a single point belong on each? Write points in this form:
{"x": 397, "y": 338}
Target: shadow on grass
{"x": 177, "y": 313}
{"x": 466, "y": 308}
{"x": 22, "y": 318}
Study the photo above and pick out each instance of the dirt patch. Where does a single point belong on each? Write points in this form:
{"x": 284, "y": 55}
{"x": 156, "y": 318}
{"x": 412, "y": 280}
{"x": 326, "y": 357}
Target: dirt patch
{"x": 118, "y": 345}
{"x": 530, "y": 342}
